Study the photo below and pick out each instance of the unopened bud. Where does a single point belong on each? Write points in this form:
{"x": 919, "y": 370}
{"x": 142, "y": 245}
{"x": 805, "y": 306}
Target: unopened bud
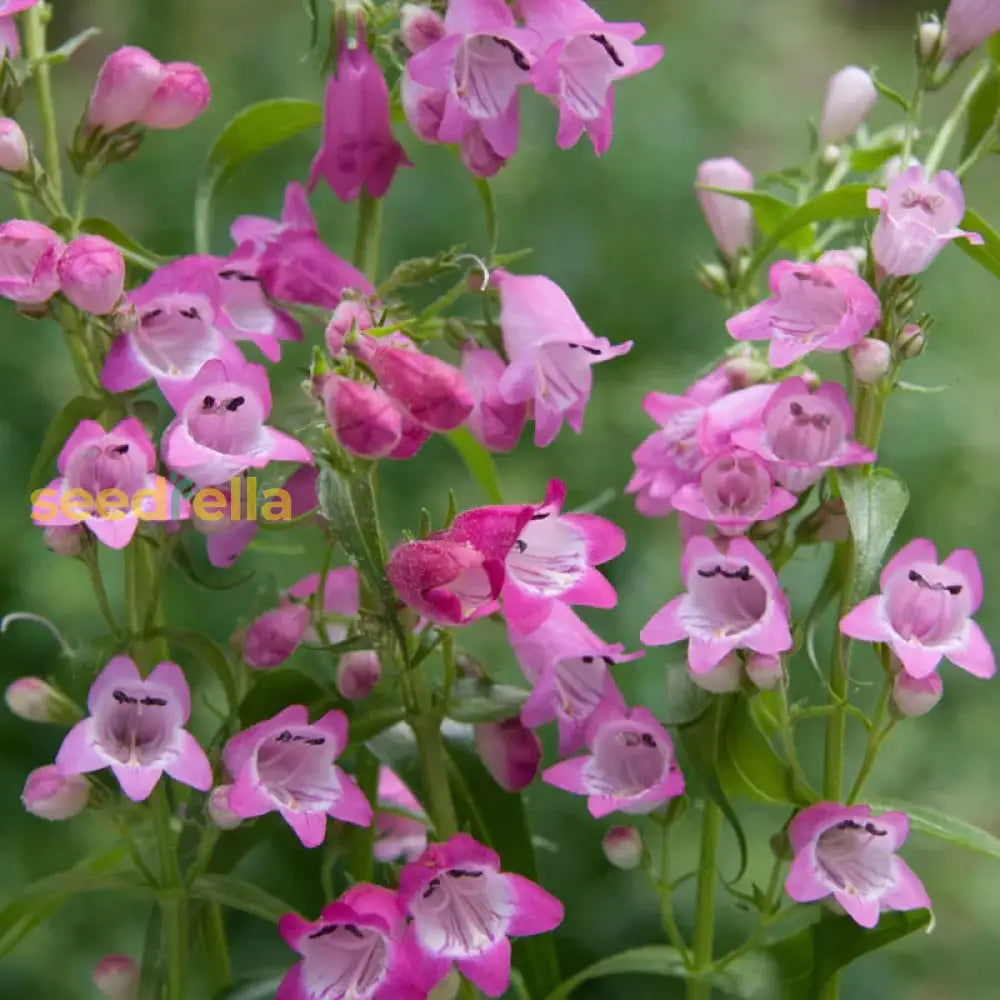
{"x": 13, "y": 147}
{"x": 811, "y": 379}
{"x": 724, "y": 677}
{"x": 730, "y": 219}
{"x": 930, "y": 36}
{"x": 850, "y": 97}
{"x": 33, "y": 699}
{"x": 871, "y": 360}
{"x": 510, "y": 752}
{"x": 362, "y": 417}
{"x": 745, "y": 371}
{"x": 893, "y": 167}
{"x": 357, "y": 674}
{"x": 622, "y": 847}
{"x": 125, "y": 85}
{"x": 183, "y": 94}
{"x": 828, "y": 523}
{"x": 764, "y": 670}
{"x": 66, "y": 539}
{"x": 421, "y": 27}
{"x": 350, "y": 315}
{"x": 916, "y": 696}
{"x": 967, "y": 24}
{"x": 219, "y": 811}
{"x": 850, "y": 258}
{"x": 117, "y": 977}
{"x": 713, "y": 277}
{"x": 830, "y": 155}
{"x": 912, "y": 341}
{"x": 92, "y": 274}
{"x": 50, "y": 795}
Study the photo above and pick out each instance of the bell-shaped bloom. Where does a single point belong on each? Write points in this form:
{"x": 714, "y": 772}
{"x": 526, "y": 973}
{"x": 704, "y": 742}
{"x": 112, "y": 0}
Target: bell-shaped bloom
{"x": 398, "y": 836}
{"x": 362, "y": 417}
{"x": 358, "y": 673}
{"x": 117, "y": 977}
{"x": 733, "y": 601}
{"x": 135, "y": 727}
{"x": 14, "y": 153}
{"x": 479, "y": 155}
{"x": 734, "y": 490}
{"x": 924, "y": 611}
{"x": 54, "y": 796}
{"x": 356, "y": 950}
{"x": 730, "y": 219}
{"x": 630, "y": 768}
{"x": 510, "y": 752}
{"x": 804, "y": 432}
{"x": 125, "y": 85}
{"x": 584, "y": 56}
{"x": 92, "y": 274}
{"x": 918, "y": 216}
{"x": 551, "y": 351}
{"x": 850, "y": 97}
{"x": 967, "y": 24}
{"x": 568, "y": 667}
{"x": 181, "y": 96}
{"x": 358, "y": 148}
{"x": 494, "y": 423}
{"x": 106, "y": 482}
{"x": 420, "y": 27}
{"x": 243, "y": 311}
{"x": 220, "y": 431}
{"x": 286, "y": 764}
{"x": 29, "y": 258}
{"x": 812, "y": 308}
{"x": 464, "y": 911}
{"x": 846, "y": 852}
{"x": 478, "y": 65}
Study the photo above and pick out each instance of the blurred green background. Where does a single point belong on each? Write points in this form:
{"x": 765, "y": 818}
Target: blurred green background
{"x": 621, "y": 235}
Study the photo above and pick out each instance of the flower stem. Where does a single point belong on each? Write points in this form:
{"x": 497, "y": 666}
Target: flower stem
{"x": 173, "y": 906}
{"x": 673, "y": 932}
{"x": 957, "y": 116}
{"x": 704, "y": 925}
{"x": 360, "y": 859}
{"x": 433, "y": 759}
{"x": 220, "y": 968}
{"x": 366, "y": 241}
{"x": 34, "y": 44}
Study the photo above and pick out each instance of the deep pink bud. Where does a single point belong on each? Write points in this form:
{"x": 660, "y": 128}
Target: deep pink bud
{"x": 730, "y": 219}
{"x": 494, "y": 423}
{"x": 183, "y": 94}
{"x": 622, "y": 846}
{"x": 218, "y": 809}
{"x": 363, "y": 418}
{"x": 850, "y": 97}
{"x": 350, "y": 314}
{"x": 871, "y": 359}
{"x": 65, "y": 540}
{"x": 274, "y": 636}
{"x": 357, "y": 674}
{"x": 13, "y": 147}
{"x": 92, "y": 274}
{"x": 478, "y": 154}
{"x": 117, "y": 977}
{"x": 764, "y": 670}
{"x": 510, "y": 752}
{"x": 49, "y": 795}
{"x": 126, "y": 83}
{"x": 29, "y": 253}
{"x": 967, "y": 24}
{"x": 916, "y": 696}
{"x": 421, "y": 27}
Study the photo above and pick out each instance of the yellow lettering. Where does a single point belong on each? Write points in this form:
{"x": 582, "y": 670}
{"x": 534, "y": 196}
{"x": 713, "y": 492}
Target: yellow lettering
{"x": 76, "y": 504}
{"x": 44, "y": 504}
{"x": 112, "y": 504}
{"x": 157, "y": 510}
{"x": 210, "y": 504}
{"x": 280, "y": 499}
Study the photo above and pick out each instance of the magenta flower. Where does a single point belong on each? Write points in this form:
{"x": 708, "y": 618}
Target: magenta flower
{"x": 510, "y": 752}
{"x": 967, "y": 24}
{"x": 286, "y": 764}
{"x": 124, "y": 87}
{"x": 847, "y": 852}
{"x": 733, "y": 601}
{"x": 358, "y": 673}
{"x": 135, "y": 727}
{"x": 804, "y": 433}
{"x": 729, "y": 219}
{"x": 465, "y": 909}
{"x": 182, "y": 96}
{"x": 92, "y": 274}
{"x": 243, "y": 311}
{"x": 631, "y": 766}
{"x": 584, "y": 56}
{"x": 355, "y": 951}
{"x": 551, "y": 352}
{"x": 362, "y": 417}
{"x": 29, "y": 256}
{"x": 479, "y": 155}
{"x": 494, "y": 423}
{"x": 420, "y": 26}
{"x": 812, "y": 308}
{"x": 478, "y": 66}
{"x": 220, "y": 432}
{"x": 358, "y": 148}
{"x": 106, "y": 481}
{"x": 924, "y": 611}
{"x": 396, "y": 836}
{"x": 918, "y": 216}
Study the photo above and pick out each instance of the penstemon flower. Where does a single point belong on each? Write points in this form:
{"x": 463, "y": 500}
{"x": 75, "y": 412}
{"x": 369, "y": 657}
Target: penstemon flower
{"x": 397, "y": 836}
{"x": 29, "y": 259}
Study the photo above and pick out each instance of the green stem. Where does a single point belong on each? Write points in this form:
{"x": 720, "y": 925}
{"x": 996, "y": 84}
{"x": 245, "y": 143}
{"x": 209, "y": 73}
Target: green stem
{"x": 673, "y": 932}
{"x": 366, "y": 241}
{"x": 950, "y": 125}
{"x": 220, "y": 968}
{"x": 876, "y": 737}
{"x": 173, "y": 904}
{"x": 361, "y": 859}
{"x": 433, "y": 759}
{"x": 34, "y": 46}
{"x": 90, "y": 560}
{"x": 704, "y": 919}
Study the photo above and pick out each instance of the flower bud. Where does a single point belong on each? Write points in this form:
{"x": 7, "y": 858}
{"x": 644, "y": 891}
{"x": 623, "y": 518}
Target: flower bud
{"x": 274, "y": 636}
{"x": 967, "y": 24}
{"x": 357, "y": 674}
{"x": 125, "y": 85}
{"x": 764, "y": 670}
{"x": 421, "y": 27}
{"x": 183, "y": 94}
{"x": 117, "y": 977}
{"x": 33, "y": 699}
{"x": 724, "y": 677}
{"x": 850, "y": 97}
{"x": 729, "y": 219}
{"x": 66, "y": 539}
{"x": 745, "y": 371}
{"x": 893, "y": 167}
{"x": 828, "y": 523}
{"x": 850, "y": 258}
{"x": 362, "y": 417}
{"x": 510, "y": 752}
{"x": 830, "y": 155}
{"x": 92, "y": 274}
{"x": 218, "y": 809}
{"x": 911, "y": 341}
{"x": 13, "y": 147}
{"x": 916, "y": 696}
{"x": 930, "y": 35}
{"x": 871, "y": 360}
{"x": 622, "y": 847}
{"x": 811, "y": 379}
{"x": 29, "y": 254}
{"x": 49, "y": 795}
{"x": 712, "y": 276}
{"x": 350, "y": 314}
{"x": 494, "y": 423}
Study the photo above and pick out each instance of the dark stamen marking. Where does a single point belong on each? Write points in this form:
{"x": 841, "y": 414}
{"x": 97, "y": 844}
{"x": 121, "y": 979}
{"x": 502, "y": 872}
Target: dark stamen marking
{"x": 647, "y": 740}
{"x": 431, "y": 886}
{"x": 463, "y": 873}
{"x": 315, "y": 741}
{"x": 608, "y": 660}
{"x": 284, "y": 736}
{"x": 587, "y": 659}
{"x": 208, "y": 402}
{"x": 953, "y": 588}
{"x": 519, "y": 60}
{"x": 607, "y": 46}
{"x": 191, "y": 313}
{"x": 121, "y": 449}
{"x": 235, "y": 403}
{"x": 123, "y": 699}
{"x": 743, "y": 573}
{"x": 152, "y": 314}
{"x": 150, "y": 701}
{"x": 323, "y": 931}
{"x": 521, "y": 546}
{"x": 352, "y": 929}
{"x": 540, "y": 516}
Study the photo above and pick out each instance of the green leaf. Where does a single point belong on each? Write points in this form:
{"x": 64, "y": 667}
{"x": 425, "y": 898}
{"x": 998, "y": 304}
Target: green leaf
{"x": 373, "y": 721}
{"x": 478, "y": 461}
{"x": 983, "y": 110}
{"x": 476, "y": 700}
{"x": 769, "y": 212}
{"x": 131, "y": 249}
{"x": 893, "y": 95}
{"x": 281, "y": 687}
{"x": 870, "y": 158}
{"x": 252, "y": 131}
{"x": 987, "y": 255}
{"x": 209, "y": 654}
{"x": 60, "y": 55}
{"x": 65, "y": 421}
{"x": 875, "y": 500}
{"x": 181, "y": 558}
{"x": 239, "y": 895}
{"x": 260, "y": 985}
{"x": 687, "y": 701}
{"x": 938, "y": 824}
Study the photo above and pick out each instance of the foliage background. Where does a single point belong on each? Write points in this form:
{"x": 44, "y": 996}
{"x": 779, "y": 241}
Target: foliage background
{"x": 621, "y": 235}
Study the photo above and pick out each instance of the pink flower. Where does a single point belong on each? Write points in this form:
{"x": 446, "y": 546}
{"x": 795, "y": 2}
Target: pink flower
{"x": 182, "y": 95}
{"x": 494, "y": 423}
{"x": 106, "y": 481}
{"x": 478, "y": 66}
{"x": 729, "y": 219}
{"x": 510, "y": 752}
{"x": 423, "y": 107}
{"x": 967, "y": 24}
{"x": 465, "y": 909}
{"x": 350, "y": 315}
{"x": 14, "y": 154}
{"x": 924, "y": 611}
{"x": 734, "y": 490}
{"x": 917, "y": 218}
{"x": 92, "y": 274}
{"x": 479, "y": 155}
{"x": 11, "y": 7}
{"x": 125, "y": 85}
{"x": 733, "y": 601}
{"x": 53, "y": 796}
{"x": 117, "y": 977}
{"x": 29, "y": 256}
{"x": 220, "y": 432}
{"x": 850, "y": 97}
{"x": 243, "y": 311}
{"x": 286, "y": 764}
{"x": 358, "y": 148}
{"x": 10, "y": 41}
{"x": 358, "y": 673}
{"x": 803, "y": 433}
{"x": 357, "y": 950}
{"x": 420, "y": 27}
{"x": 398, "y": 837}
{"x": 362, "y": 417}
{"x": 847, "y": 852}
{"x": 812, "y": 308}
{"x": 916, "y": 695}
{"x": 135, "y": 728}
{"x": 584, "y": 56}
{"x": 551, "y": 352}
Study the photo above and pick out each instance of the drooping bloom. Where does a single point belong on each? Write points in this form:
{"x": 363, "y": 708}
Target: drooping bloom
{"x": 584, "y": 56}
{"x": 733, "y": 601}
{"x": 465, "y": 909}
{"x": 630, "y": 768}
{"x": 10, "y": 40}
{"x": 135, "y": 727}
{"x": 494, "y": 423}
{"x": 478, "y": 154}
{"x": 967, "y": 24}
{"x": 397, "y": 836}
{"x": 804, "y": 433}
{"x": 29, "y": 256}
{"x": 125, "y": 85}
{"x": 92, "y": 274}
{"x": 924, "y": 611}
{"x": 54, "y": 796}
{"x": 850, "y": 97}
{"x": 551, "y": 351}
{"x": 849, "y": 853}
{"x": 358, "y": 673}
{"x": 510, "y": 752}
{"x": 362, "y": 417}
{"x": 917, "y": 218}
{"x": 730, "y": 219}
{"x": 117, "y": 977}
{"x": 812, "y": 308}
{"x": 286, "y": 764}
{"x": 106, "y": 482}
{"x": 14, "y": 153}
{"x": 181, "y": 96}
{"x": 220, "y": 432}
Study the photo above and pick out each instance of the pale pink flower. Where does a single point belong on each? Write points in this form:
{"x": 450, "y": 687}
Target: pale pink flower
{"x": 117, "y": 977}
{"x": 92, "y": 274}
{"x": 358, "y": 673}
{"x": 54, "y": 796}
{"x": 494, "y": 423}
{"x": 730, "y": 219}
{"x": 967, "y": 24}
{"x": 396, "y": 836}
{"x": 14, "y": 153}
{"x": 850, "y": 97}
{"x": 29, "y": 258}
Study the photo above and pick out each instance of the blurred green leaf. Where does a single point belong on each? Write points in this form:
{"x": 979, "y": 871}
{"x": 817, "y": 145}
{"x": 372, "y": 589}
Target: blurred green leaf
{"x": 938, "y": 824}
{"x": 66, "y": 50}
{"x": 478, "y": 461}
{"x": 769, "y": 212}
{"x": 987, "y": 255}
{"x": 131, "y": 249}
{"x": 870, "y": 158}
{"x": 239, "y": 895}
{"x": 478, "y": 700}
{"x": 209, "y": 654}
{"x": 983, "y": 110}
{"x": 893, "y": 95}
{"x": 63, "y": 424}
{"x": 372, "y": 721}
{"x": 260, "y": 985}
{"x": 181, "y": 559}
{"x": 281, "y": 687}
